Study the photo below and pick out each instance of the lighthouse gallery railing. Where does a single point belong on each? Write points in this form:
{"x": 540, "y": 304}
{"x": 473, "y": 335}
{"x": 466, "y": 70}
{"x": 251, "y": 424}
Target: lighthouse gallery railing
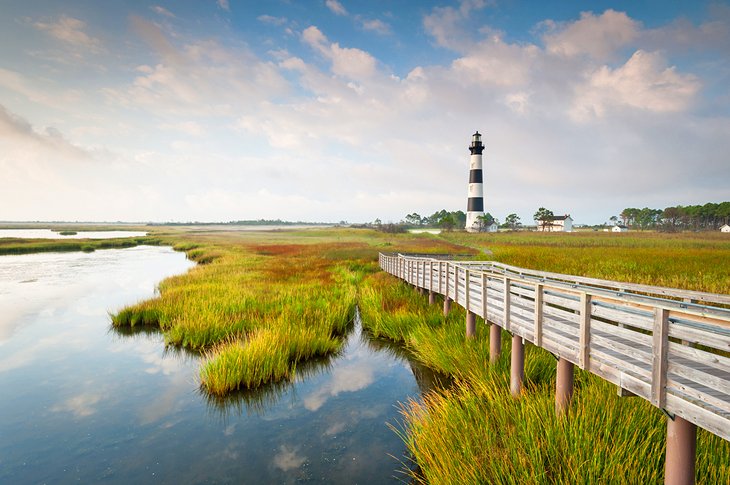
{"x": 670, "y": 347}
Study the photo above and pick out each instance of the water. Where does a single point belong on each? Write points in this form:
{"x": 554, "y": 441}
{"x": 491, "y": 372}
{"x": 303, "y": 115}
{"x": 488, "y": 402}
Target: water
{"x": 83, "y": 403}
{"x": 49, "y": 234}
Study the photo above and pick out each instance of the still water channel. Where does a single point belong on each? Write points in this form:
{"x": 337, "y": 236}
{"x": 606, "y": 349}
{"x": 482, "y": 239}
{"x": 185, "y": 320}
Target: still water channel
{"x": 49, "y": 234}
{"x": 80, "y": 402}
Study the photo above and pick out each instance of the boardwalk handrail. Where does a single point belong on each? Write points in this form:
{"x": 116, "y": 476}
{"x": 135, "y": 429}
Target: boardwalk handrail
{"x": 668, "y": 346}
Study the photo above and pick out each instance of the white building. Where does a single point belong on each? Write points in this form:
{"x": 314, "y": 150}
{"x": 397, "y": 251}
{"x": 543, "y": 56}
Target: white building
{"x": 558, "y": 224}
{"x": 619, "y": 229}
{"x": 725, "y": 228}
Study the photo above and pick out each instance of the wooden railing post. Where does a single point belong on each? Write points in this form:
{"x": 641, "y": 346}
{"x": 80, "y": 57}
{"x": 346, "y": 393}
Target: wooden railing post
{"x": 507, "y": 302}
{"x": 660, "y": 342}
{"x": 456, "y": 284}
{"x": 471, "y": 318}
{"x": 584, "y": 343}
{"x": 538, "y": 314}
{"x": 447, "y": 300}
{"x": 485, "y": 282}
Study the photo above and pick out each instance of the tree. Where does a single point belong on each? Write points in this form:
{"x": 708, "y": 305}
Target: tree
{"x": 448, "y": 222}
{"x": 512, "y": 221}
{"x": 413, "y": 219}
{"x": 544, "y": 218}
{"x": 613, "y": 220}
{"x": 485, "y": 221}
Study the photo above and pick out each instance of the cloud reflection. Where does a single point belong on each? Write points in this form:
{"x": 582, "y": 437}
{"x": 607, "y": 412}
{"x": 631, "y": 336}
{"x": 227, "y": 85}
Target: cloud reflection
{"x": 80, "y": 406}
{"x": 350, "y": 378}
{"x": 288, "y": 458}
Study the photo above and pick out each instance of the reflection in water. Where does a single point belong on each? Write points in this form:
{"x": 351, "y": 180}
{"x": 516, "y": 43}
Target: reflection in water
{"x": 257, "y": 401}
{"x": 119, "y": 406}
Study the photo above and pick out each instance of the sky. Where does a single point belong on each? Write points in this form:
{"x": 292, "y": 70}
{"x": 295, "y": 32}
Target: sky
{"x": 330, "y": 110}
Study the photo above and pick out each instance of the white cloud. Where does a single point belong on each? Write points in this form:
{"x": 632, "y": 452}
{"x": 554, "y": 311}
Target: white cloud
{"x": 162, "y": 11}
{"x": 495, "y": 62}
{"x": 271, "y": 20}
{"x": 224, "y": 5}
{"x": 348, "y": 62}
{"x": 200, "y": 78}
{"x": 643, "y": 82}
{"x": 71, "y": 31}
{"x": 376, "y": 25}
{"x": 596, "y": 35}
{"x": 336, "y": 7}
{"x": 446, "y": 24}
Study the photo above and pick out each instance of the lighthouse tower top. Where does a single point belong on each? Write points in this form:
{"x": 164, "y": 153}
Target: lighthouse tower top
{"x": 476, "y": 147}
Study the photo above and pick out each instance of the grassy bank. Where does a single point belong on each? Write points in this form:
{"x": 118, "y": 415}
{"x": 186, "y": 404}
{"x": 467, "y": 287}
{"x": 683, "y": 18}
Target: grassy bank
{"x": 263, "y": 302}
{"x": 28, "y": 246}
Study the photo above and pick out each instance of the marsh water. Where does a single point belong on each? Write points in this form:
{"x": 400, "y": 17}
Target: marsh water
{"x": 80, "y": 402}
{"x": 49, "y": 234}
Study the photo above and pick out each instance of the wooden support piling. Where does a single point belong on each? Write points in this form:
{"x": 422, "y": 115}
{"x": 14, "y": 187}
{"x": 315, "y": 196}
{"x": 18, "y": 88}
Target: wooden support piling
{"x": 447, "y": 306}
{"x": 517, "y": 367}
{"x": 471, "y": 324}
{"x": 563, "y": 386}
{"x": 495, "y": 342}
{"x": 679, "y": 465}
{"x": 431, "y": 297}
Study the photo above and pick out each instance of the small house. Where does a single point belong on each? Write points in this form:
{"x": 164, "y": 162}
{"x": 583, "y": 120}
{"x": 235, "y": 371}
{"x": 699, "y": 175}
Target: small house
{"x": 725, "y": 228}
{"x": 559, "y": 224}
{"x": 619, "y": 228}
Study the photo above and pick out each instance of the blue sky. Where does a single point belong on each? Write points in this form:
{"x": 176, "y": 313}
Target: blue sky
{"x": 328, "y": 110}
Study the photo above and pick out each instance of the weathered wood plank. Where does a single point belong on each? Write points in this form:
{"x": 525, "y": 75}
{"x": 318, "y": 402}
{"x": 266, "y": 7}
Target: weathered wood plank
{"x": 659, "y": 358}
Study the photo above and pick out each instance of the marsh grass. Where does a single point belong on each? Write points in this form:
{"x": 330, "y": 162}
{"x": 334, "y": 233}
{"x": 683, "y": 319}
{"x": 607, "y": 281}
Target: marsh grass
{"x": 476, "y": 432}
{"x": 695, "y": 261}
{"x": 258, "y": 308}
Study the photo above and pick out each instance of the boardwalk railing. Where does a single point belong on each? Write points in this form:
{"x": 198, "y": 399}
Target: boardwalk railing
{"x": 668, "y": 346}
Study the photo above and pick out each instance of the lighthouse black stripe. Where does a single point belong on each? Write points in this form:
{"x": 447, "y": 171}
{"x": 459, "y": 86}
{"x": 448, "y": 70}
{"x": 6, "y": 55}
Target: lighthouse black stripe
{"x": 475, "y": 176}
{"x": 475, "y": 204}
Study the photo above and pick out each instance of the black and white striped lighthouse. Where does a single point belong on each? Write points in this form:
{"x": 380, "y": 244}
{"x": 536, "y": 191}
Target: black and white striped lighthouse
{"x": 475, "y": 204}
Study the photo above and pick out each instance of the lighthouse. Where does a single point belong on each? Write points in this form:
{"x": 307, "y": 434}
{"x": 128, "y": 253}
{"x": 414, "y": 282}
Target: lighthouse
{"x": 475, "y": 201}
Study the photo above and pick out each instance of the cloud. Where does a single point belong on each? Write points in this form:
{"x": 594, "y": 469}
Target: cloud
{"x": 20, "y": 133}
{"x": 224, "y": 5}
{"x": 201, "y": 78}
{"x": 643, "y": 82}
{"x": 271, "y": 20}
{"x": 376, "y": 25}
{"x": 348, "y": 62}
{"x": 71, "y": 31}
{"x": 598, "y": 36}
{"x": 495, "y": 62}
{"x": 336, "y": 7}
{"x": 162, "y": 11}
{"x": 446, "y": 24}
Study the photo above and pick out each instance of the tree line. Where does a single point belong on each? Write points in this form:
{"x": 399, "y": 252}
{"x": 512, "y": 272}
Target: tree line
{"x": 708, "y": 217}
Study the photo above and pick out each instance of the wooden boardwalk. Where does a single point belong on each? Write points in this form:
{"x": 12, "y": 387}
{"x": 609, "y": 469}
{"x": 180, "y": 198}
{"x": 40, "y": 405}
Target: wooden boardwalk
{"x": 670, "y": 347}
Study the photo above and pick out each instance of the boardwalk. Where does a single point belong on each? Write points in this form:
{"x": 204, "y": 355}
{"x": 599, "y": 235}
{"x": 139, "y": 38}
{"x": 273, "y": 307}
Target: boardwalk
{"x": 670, "y": 347}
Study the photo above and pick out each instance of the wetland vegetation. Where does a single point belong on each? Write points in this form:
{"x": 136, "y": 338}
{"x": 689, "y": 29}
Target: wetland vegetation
{"x": 260, "y": 304}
